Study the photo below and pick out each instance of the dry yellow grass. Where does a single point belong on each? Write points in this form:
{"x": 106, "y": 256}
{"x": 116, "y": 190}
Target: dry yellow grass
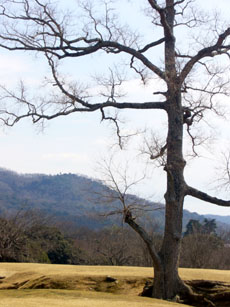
{"x": 82, "y": 280}
{"x": 69, "y": 298}
{"x": 193, "y": 274}
{"x": 8, "y": 269}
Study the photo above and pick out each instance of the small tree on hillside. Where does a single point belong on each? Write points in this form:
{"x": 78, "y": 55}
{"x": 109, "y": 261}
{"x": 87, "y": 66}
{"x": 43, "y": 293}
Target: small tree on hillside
{"x": 206, "y": 227}
{"x": 193, "y": 226}
{"x": 209, "y": 226}
{"x": 186, "y": 63}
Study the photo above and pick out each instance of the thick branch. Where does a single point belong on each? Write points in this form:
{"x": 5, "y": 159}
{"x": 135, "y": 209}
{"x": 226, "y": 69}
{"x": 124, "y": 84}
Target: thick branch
{"x": 145, "y": 237}
{"x": 37, "y": 116}
{"x": 71, "y": 51}
{"x": 211, "y": 51}
{"x": 205, "y": 197}
{"x": 153, "y": 44}
{"x": 114, "y": 47}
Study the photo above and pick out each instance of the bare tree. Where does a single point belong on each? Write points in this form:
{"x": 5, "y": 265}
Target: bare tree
{"x": 200, "y": 250}
{"x": 13, "y": 240}
{"x": 192, "y": 76}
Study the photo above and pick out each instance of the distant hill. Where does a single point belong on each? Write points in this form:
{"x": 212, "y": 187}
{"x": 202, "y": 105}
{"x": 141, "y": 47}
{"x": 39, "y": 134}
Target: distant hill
{"x": 64, "y": 196}
{"x": 68, "y": 197}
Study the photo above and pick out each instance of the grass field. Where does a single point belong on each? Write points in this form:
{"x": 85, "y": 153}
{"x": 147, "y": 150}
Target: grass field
{"x": 69, "y": 298}
{"x": 32, "y": 285}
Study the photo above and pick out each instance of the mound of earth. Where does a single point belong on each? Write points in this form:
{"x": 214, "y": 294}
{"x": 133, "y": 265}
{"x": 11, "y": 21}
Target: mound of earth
{"x": 33, "y": 280}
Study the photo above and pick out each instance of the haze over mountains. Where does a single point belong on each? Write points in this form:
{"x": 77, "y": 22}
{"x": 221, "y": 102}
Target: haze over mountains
{"x": 70, "y": 197}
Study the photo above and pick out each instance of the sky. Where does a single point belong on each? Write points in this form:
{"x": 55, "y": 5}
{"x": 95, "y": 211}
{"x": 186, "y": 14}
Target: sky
{"x": 77, "y": 143}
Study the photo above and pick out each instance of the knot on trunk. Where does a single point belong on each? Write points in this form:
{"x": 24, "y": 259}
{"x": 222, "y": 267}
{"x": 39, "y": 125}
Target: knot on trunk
{"x": 128, "y": 216}
{"x": 187, "y": 117}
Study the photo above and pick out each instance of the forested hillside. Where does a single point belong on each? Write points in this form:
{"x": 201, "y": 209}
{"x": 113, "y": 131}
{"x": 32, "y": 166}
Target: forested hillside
{"x": 68, "y": 197}
{"x": 65, "y": 196}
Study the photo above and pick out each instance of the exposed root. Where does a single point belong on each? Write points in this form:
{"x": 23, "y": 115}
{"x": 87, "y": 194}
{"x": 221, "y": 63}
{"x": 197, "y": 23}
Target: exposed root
{"x": 199, "y": 293}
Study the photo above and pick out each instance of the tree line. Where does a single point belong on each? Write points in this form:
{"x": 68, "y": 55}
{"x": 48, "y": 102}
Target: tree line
{"x": 32, "y": 237}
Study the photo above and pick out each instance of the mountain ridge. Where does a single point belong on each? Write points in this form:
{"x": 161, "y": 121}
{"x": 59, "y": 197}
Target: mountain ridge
{"x": 70, "y": 197}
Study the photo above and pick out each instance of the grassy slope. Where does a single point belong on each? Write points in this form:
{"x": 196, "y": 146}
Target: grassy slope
{"x": 82, "y": 280}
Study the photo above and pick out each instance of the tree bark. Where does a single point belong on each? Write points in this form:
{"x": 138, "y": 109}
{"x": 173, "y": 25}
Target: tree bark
{"x": 174, "y": 198}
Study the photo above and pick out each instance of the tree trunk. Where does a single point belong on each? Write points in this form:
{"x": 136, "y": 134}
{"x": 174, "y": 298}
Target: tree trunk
{"x": 167, "y": 283}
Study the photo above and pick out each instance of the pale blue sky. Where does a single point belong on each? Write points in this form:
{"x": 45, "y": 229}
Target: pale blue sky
{"x": 75, "y": 143}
